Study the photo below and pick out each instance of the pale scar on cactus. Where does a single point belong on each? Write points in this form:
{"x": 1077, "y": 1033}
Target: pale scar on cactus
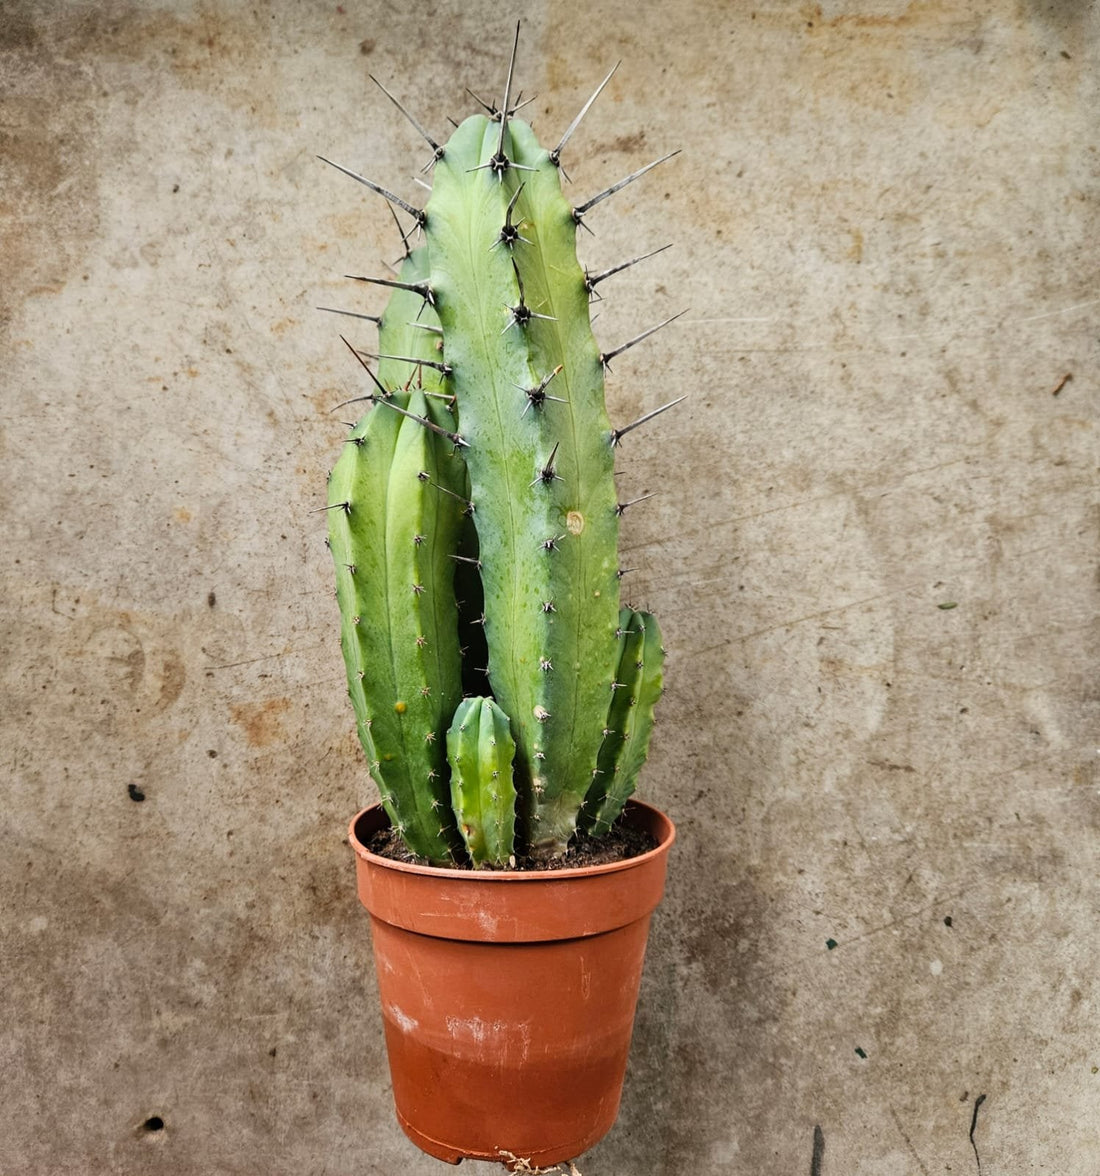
{"x": 474, "y": 519}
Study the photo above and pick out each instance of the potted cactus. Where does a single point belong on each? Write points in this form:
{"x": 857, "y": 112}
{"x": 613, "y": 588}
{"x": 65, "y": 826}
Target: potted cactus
{"x": 503, "y": 695}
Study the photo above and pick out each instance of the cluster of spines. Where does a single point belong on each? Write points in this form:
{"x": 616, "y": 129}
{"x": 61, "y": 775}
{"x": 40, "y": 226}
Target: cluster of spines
{"x": 523, "y": 380}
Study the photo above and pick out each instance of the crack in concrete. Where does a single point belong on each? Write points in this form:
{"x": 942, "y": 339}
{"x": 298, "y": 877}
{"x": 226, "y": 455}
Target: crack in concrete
{"x": 908, "y": 1142}
{"x": 973, "y": 1124}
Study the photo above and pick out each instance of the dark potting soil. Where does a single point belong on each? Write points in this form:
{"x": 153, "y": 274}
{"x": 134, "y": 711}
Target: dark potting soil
{"x": 619, "y": 845}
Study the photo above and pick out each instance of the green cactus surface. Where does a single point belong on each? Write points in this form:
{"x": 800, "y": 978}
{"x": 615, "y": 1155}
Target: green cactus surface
{"x": 502, "y": 697}
{"x": 629, "y": 722}
{"x": 396, "y": 505}
{"x": 540, "y": 468}
{"x": 480, "y": 748}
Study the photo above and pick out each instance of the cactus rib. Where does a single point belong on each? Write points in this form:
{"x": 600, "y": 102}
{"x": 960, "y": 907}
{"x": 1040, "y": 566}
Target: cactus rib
{"x": 629, "y": 721}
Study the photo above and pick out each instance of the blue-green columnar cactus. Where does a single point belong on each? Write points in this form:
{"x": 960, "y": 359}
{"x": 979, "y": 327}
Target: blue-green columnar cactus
{"x": 503, "y": 698}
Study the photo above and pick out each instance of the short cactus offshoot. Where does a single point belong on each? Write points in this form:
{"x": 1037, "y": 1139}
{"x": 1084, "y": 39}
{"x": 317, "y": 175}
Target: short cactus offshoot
{"x": 503, "y": 698}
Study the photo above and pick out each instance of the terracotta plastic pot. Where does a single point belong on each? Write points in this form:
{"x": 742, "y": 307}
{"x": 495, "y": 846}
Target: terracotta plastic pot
{"x": 508, "y": 998}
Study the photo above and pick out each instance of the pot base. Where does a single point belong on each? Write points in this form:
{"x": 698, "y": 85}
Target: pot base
{"x": 510, "y": 1159}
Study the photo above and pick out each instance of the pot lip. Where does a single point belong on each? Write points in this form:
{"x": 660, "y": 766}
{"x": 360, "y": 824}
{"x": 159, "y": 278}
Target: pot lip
{"x": 496, "y": 877}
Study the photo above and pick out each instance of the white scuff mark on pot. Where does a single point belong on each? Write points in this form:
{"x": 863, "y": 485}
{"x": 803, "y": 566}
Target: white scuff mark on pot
{"x": 470, "y": 1028}
{"x": 402, "y": 1019}
{"x": 525, "y": 1039}
{"x": 487, "y": 921}
{"x": 498, "y": 1038}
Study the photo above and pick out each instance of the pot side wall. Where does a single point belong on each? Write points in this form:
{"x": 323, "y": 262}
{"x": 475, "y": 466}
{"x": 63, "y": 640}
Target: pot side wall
{"x": 508, "y": 998}
{"x": 508, "y": 1047}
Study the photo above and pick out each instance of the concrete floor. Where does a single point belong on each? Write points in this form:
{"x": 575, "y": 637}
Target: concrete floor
{"x": 873, "y": 551}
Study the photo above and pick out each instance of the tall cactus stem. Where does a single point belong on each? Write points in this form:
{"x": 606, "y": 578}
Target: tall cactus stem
{"x": 556, "y": 718}
{"x": 390, "y": 535}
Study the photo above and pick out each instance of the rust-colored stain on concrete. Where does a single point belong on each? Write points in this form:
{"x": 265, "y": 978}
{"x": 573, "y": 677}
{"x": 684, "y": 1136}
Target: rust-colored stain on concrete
{"x": 260, "y": 720}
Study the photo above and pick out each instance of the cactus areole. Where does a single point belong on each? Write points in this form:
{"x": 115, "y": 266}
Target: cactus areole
{"x": 503, "y": 696}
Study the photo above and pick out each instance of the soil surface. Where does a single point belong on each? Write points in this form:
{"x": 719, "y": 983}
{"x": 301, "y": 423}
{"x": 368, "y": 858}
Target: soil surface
{"x": 619, "y": 845}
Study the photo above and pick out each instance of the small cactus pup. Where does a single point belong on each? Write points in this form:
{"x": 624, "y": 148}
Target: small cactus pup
{"x": 503, "y": 698}
{"x": 480, "y": 749}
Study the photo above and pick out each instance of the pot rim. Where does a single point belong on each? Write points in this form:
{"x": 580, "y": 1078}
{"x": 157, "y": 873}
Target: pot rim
{"x": 662, "y": 828}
